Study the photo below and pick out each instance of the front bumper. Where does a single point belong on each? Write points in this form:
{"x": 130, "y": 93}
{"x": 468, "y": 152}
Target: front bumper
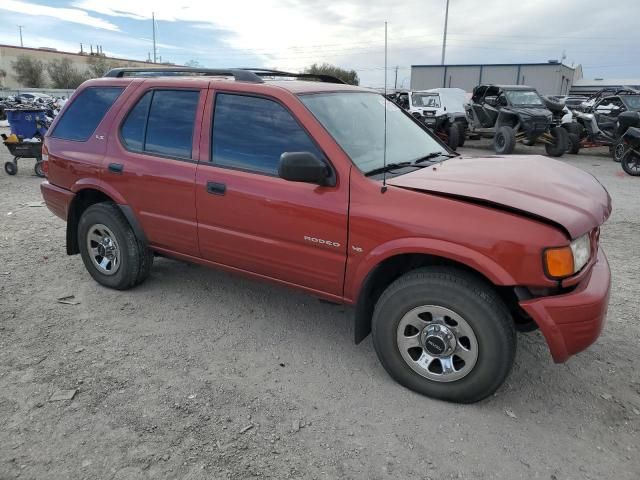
{"x": 573, "y": 321}
{"x": 57, "y": 199}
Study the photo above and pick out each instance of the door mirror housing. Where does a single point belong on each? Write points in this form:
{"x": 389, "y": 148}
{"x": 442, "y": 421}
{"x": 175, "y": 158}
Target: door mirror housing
{"x": 304, "y": 167}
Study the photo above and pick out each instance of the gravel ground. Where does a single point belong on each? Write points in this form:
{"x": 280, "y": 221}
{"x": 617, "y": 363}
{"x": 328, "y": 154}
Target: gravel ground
{"x": 201, "y": 374}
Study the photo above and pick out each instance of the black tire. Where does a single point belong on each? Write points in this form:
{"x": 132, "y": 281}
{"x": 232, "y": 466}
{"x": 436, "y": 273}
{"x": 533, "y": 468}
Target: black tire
{"x": 11, "y": 168}
{"x": 133, "y": 264}
{"x": 574, "y": 144}
{"x": 574, "y": 128}
{"x": 618, "y": 150}
{"x": 631, "y": 163}
{"x": 463, "y": 134}
{"x": 38, "y": 170}
{"x": 559, "y": 146}
{"x": 453, "y": 136}
{"x": 470, "y": 298}
{"x": 505, "y": 140}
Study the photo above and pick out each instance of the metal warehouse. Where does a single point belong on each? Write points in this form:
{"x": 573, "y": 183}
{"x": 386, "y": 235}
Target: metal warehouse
{"x": 551, "y": 78}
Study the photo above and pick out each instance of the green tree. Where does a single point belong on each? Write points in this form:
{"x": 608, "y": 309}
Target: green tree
{"x": 349, "y": 76}
{"x": 29, "y": 72}
{"x": 193, "y": 64}
{"x": 64, "y": 75}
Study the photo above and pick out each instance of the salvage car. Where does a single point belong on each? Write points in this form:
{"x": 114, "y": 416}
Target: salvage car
{"x": 605, "y": 123}
{"x": 334, "y": 190}
{"x": 441, "y": 109}
{"x": 514, "y": 113}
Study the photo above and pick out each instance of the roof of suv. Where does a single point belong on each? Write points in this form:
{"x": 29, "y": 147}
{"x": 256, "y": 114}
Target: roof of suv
{"x": 294, "y": 86}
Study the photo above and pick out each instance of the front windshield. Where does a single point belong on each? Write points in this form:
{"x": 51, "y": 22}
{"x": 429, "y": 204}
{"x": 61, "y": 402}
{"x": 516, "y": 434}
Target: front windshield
{"x": 524, "y": 97}
{"x": 356, "y": 122}
{"x": 631, "y": 101}
{"x": 425, "y": 100}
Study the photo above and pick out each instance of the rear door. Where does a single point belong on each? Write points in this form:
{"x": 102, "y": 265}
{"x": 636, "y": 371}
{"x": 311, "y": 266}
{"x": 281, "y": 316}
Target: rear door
{"x": 251, "y": 219}
{"x": 77, "y": 139}
{"x": 152, "y": 162}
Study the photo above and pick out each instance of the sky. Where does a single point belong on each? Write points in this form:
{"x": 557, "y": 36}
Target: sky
{"x": 292, "y": 34}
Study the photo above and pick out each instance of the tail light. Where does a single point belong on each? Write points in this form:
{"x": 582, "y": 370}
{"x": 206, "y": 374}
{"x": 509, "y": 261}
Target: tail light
{"x": 45, "y": 160}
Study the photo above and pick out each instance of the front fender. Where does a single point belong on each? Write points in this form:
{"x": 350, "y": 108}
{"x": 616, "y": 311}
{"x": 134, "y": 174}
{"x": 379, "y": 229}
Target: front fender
{"x": 358, "y": 268}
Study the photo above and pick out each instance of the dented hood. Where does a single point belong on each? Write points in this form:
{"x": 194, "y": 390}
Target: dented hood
{"x": 539, "y": 186}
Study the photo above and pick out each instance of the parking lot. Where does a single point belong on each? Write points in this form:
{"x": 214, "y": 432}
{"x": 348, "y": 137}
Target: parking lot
{"x": 201, "y": 374}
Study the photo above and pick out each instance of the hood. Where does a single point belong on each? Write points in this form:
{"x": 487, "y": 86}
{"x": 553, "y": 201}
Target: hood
{"x": 538, "y": 186}
{"x": 525, "y": 112}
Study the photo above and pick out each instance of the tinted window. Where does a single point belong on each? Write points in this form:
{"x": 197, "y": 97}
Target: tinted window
{"x": 251, "y": 133}
{"x": 132, "y": 131}
{"x": 85, "y": 113}
{"x": 170, "y": 124}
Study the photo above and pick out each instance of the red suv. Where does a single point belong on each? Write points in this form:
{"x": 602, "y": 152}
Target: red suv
{"x": 334, "y": 190}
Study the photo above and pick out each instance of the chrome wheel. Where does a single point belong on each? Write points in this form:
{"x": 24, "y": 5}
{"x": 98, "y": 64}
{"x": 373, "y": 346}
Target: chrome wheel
{"x": 103, "y": 249}
{"x": 437, "y": 343}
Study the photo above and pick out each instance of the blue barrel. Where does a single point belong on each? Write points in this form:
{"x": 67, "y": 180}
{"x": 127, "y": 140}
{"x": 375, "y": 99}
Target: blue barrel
{"x": 25, "y": 122}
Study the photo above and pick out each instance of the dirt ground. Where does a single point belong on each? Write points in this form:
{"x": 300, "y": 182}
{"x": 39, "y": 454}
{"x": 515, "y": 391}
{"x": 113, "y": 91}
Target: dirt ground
{"x": 199, "y": 374}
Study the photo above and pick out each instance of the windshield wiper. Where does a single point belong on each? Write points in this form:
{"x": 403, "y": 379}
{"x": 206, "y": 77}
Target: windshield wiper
{"x": 433, "y": 155}
{"x": 388, "y": 167}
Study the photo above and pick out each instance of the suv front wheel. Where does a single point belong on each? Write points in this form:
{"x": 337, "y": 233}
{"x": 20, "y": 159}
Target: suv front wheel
{"x": 443, "y": 333}
{"x": 109, "y": 248}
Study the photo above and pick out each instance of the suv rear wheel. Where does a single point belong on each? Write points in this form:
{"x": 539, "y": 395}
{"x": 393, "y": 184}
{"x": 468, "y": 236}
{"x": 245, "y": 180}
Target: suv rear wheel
{"x": 505, "y": 141}
{"x": 109, "y": 248}
{"x": 443, "y": 333}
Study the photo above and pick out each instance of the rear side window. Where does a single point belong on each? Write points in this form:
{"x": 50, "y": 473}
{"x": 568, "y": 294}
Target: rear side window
{"x": 162, "y": 123}
{"x": 250, "y": 133}
{"x": 84, "y": 114}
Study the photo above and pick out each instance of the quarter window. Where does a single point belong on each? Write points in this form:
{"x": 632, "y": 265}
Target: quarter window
{"x": 162, "y": 123}
{"x": 84, "y": 114}
{"x": 251, "y": 133}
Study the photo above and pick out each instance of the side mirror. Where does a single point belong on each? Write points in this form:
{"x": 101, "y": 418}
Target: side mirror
{"x": 303, "y": 167}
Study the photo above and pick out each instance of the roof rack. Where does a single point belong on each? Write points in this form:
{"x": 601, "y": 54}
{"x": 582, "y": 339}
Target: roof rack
{"x": 240, "y": 75}
{"x": 264, "y": 72}
{"x": 253, "y": 75}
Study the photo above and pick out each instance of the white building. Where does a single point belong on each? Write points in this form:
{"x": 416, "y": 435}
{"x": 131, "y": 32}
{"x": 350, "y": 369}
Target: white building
{"x": 551, "y": 78}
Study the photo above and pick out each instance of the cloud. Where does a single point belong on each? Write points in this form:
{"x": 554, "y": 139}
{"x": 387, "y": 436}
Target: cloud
{"x": 65, "y": 14}
{"x": 291, "y": 34}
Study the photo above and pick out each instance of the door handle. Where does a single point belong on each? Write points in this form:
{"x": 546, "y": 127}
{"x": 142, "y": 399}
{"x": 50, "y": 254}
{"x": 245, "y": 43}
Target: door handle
{"x": 216, "y": 188}
{"x": 116, "y": 167}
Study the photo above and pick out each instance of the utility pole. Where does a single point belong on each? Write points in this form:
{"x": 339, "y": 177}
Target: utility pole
{"x": 395, "y": 83}
{"x": 20, "y": 29}
{"x": 153, "y": 19}
{"x": 444, "y": 38}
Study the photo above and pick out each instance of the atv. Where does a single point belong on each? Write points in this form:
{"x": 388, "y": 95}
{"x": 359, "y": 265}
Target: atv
{"x": 605, "y": 123}
{"x": 440, "y": 109}
{"x": 514, "y": 113}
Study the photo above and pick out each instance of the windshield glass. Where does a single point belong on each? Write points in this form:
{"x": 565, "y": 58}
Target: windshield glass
{"x": 631, "y": 101}
{"x": 425, "y": 100}
{"x": 523, "y": 97}
{"x": 356, "y": 122}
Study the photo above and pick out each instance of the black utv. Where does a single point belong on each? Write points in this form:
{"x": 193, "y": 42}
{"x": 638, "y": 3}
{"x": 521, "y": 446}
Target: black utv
{"x": 514, "y": 113}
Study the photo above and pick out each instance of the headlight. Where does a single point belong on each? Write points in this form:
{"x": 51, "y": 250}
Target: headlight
{"x": 566, "y": 261}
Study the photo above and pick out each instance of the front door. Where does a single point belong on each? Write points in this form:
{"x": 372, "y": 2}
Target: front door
{"x": 249, "y": 218}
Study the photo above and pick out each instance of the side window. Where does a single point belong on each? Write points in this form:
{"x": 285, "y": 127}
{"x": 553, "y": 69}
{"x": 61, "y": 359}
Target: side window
{"x": 251, "y": 133}
{"x": 162, "y": 122}
{"x": 133, "y": 128}
{"x": 82, "y": 117}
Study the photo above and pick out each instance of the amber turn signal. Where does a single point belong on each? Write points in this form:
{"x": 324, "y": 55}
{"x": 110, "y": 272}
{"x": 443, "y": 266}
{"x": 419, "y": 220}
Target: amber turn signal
{"x": 559, "y": 262}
